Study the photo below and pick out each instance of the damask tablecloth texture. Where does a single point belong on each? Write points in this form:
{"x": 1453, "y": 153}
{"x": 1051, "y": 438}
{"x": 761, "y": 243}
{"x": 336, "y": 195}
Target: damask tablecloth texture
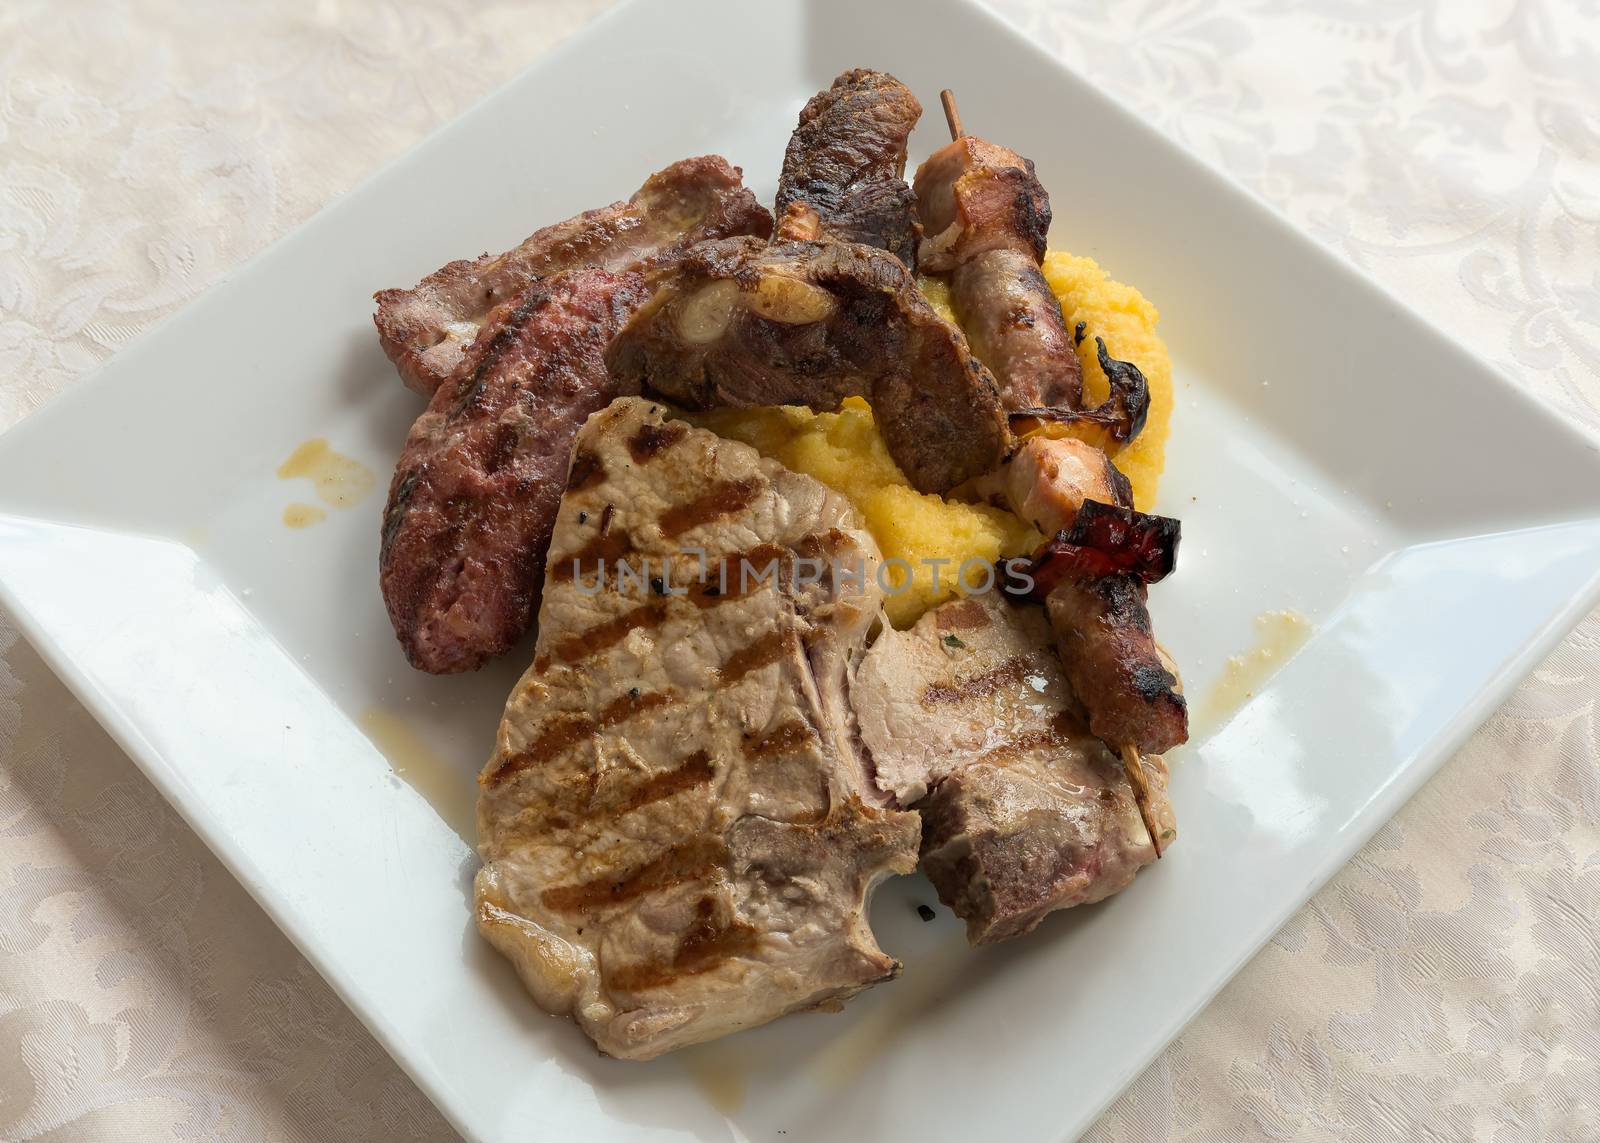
{"x": 1445, "y": 986}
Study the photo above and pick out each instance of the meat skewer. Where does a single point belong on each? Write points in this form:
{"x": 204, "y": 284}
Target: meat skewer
{"x": 947, "y": 100}
{"x": 1032, "y": 356}
{"x": 985, "y": 217}
{"x": 1092, "y": 578}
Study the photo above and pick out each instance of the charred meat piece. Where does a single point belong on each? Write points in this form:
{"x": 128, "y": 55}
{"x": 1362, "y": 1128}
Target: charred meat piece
{"x": 679, "y": 830}
{"x": 427, "y": 330}
{"x": 985, "y": 218}
{"x": 1109, "y": 539}
{"x": 738, "y": 322}
{"x": 1103, "y": 632}
{"x": 847, "y": 158}
{"x": 969, "y": 717}
{"x": 475, "y": 492}
{"x": 1093, "y": 579}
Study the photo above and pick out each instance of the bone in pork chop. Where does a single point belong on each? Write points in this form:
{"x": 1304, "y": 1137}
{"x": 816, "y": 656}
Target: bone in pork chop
{"x": 846, "y": 159}
{"x": 678, "y": 829}
{"x": 969, "y": 718}
{"x": 742, "y": 323}
{"x": 475, "y": 492}
{"x": 428, "y": 330}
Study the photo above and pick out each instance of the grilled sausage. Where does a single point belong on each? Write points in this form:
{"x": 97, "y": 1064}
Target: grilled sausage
{"x": 985, "y": 218}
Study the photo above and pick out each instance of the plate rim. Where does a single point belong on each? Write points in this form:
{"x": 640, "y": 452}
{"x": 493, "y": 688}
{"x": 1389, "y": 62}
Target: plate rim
{"x": 1387, "y": 800}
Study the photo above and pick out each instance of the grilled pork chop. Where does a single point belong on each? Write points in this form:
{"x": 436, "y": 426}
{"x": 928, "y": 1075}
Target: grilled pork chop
{"x": 475, "y": 492}
{"x": 679, "y": 831}
{"x": 428, "y": 330}
{"x": 969, "y": 718}
{"x": 742, "y": 323}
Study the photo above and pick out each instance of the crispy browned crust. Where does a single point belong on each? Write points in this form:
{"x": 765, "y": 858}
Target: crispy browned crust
{"x": 475, "y": 492}
{"x": 429, "y": 330}
{"x": 1109, "y": 651}
{"x": 847, "y": 158}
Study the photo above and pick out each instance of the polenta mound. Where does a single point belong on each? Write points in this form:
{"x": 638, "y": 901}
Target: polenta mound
{"x": 845, "y": 451}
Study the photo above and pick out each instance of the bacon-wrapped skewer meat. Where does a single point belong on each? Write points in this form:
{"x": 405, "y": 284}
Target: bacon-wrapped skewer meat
{"x": 1093, "y": 578}
{"x": 985, "y": 219}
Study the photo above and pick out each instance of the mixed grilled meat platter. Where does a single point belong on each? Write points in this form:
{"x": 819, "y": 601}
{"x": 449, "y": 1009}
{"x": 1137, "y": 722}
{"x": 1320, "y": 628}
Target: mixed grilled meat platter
{"x": 724, "y": 741}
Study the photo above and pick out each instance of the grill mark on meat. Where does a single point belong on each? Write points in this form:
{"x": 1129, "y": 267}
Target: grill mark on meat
{"x": 576, "y": 798}
{"x": 606, "y": 546}
{"x": 472, "y": 506}
{"x": 966, "y": 615}
{"x": 709, "y": 942}
{"x": 827, "y": 544}
{"x": 587, "y": 471}
{"x": 394, "y": 514}
{"x": 763, "y": 652}
{"x": 503, "y": 448}
{"x": 555, "y": 737}
{"x": 695, "y": 771}
{"x": 630, "y": 703}
{"x": 1012, "y": 671}
{"x": 564, "y": 731}
{"x": 652, "y": 440}
{"x": 588, "y": 643}
{"x": 690, "y": 861}
{"x": 724, "y": 499}
{"x": 782, "y": 739}
{"x": 729, "y": 582}
{"x": 1058, "y": 735}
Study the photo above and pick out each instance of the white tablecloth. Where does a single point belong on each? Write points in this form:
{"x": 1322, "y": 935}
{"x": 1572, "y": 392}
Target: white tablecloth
{"x": 1444, "y": 986}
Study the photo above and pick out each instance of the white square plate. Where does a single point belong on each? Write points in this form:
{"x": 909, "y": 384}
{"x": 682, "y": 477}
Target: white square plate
{"x": 1331, "y": 454}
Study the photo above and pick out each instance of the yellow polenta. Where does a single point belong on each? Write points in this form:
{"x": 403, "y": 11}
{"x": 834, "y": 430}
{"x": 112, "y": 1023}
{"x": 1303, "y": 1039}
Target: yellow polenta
{"x": 845, "y": 451}
{"x": 1120, "y": 314}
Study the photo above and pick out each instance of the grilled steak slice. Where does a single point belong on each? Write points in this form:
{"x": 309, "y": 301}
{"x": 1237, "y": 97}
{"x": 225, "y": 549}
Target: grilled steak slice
{"x": 679, "y": 832}
{"x": 738, "y": 322}
{"x": 986, "y": 218}
{"x": 428, "y": 329}
{"x": 475, "y": 492}
{"x": 847, "y": 158}
{"x": 969, "y": 718}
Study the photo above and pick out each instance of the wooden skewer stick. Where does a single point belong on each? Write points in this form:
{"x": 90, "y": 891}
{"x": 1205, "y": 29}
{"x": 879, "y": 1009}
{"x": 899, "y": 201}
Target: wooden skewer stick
{"x": 1130, "y": 752}
{"x": 1141, "y": 793}
{"x": 951, "y": 115}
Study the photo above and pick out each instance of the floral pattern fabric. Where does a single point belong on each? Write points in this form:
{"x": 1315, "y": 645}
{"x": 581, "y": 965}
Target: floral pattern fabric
{"x": 1446, "y": 985}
